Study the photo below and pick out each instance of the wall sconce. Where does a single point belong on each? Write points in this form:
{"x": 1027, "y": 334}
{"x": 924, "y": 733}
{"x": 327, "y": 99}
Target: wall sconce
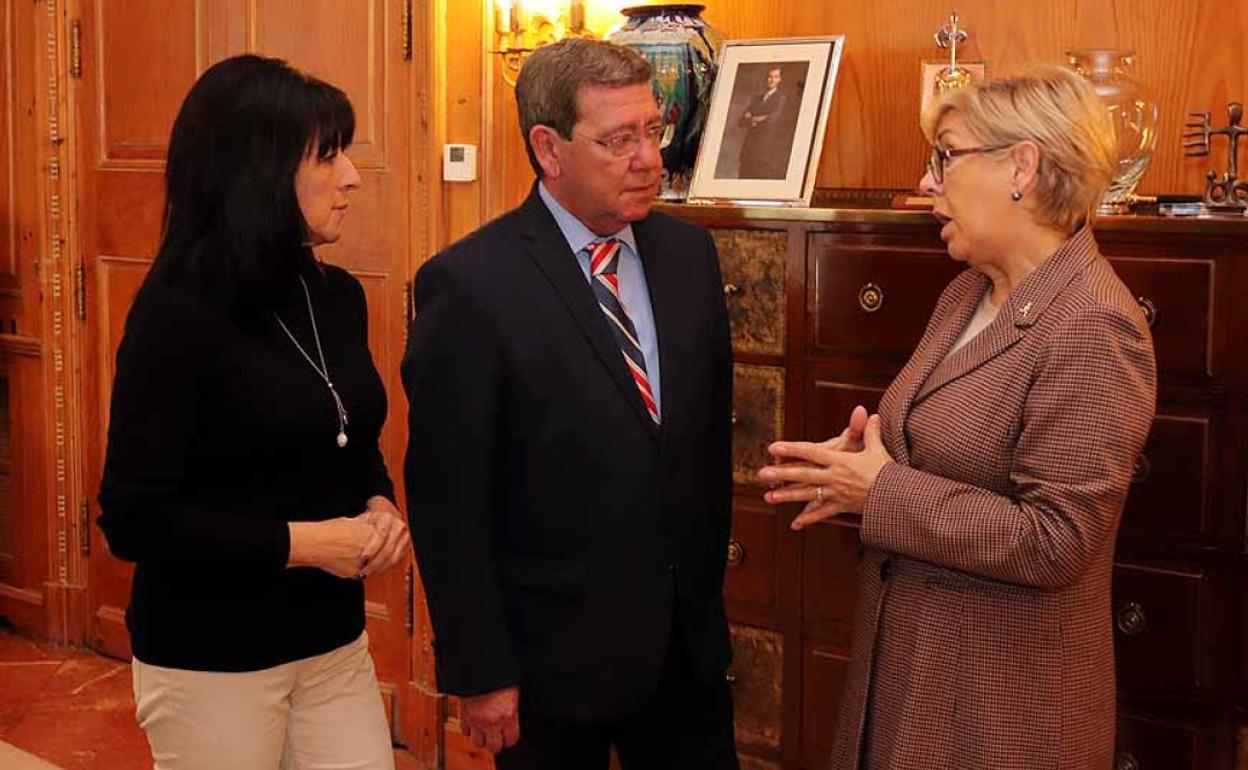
{"x": 521, "y": 27}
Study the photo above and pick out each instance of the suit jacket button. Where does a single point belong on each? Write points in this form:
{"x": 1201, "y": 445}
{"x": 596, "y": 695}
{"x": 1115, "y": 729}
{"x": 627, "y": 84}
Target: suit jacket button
{"x": 886, "y": 570}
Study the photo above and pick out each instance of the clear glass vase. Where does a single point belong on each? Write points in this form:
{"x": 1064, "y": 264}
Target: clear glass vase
{"x": 683, "y": 51}
{"x": 1135, "y": 114}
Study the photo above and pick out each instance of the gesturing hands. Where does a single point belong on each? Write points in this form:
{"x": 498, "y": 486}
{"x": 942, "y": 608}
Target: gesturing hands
{"x": 492, "y": 720}
{"x": 831, "y": 477}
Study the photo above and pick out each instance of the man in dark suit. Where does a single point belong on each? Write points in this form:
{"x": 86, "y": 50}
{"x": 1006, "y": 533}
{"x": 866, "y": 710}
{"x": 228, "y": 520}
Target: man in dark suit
{"x": 764, "y": 153}
{"x": 568, "y": 472}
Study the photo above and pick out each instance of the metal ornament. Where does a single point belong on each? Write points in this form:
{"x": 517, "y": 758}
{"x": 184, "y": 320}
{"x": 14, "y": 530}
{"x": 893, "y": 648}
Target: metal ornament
{"x": 1228, "y": 192}
{"x": 948, "y": 36}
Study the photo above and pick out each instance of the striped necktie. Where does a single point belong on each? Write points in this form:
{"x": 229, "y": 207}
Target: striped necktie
{"x": 604, "y": 259}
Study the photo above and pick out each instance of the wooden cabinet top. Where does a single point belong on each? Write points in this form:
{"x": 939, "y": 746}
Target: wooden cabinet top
{"x": 872, "y": 208}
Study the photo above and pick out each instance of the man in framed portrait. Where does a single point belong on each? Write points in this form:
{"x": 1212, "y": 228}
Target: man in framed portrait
{"x": 763, "y": 153}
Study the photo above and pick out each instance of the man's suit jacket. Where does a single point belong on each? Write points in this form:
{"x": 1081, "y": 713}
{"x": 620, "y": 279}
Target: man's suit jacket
{"x": 764, "y": 150}
{"x": 982, "y": 631}
{"x": 772, "y": 107}
{"x": 558, "y": 530}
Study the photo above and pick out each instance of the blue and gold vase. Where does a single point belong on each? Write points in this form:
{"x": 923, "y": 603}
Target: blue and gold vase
{"x": 683, "y": 51}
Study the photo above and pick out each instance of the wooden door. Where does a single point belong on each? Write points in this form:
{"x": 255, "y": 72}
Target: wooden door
{"x": 139, "y": 58}
{"x": 33, "y": 562}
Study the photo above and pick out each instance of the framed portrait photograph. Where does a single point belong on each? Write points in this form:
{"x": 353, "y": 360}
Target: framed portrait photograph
{"x": 938, "y": 77}
{"x": 766, "y": 122}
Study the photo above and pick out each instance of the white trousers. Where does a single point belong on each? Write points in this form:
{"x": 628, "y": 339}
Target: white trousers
{"x": 320, "y": 713}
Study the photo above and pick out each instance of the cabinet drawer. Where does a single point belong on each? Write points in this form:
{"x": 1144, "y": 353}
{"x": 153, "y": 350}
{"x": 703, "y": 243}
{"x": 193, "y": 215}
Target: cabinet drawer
{"x": 752, "y": 263}
{"x": 824, "y": 683}
{"x": 751, "y": 574}
{"x": 1159, "y": 631}
{"x": 1168, "y": 493}
{"x": 829, "y": 401}
{"x": 1177, "y": 298}
{"x": 749, "y": 762}
{"x": 872, "y": 296}
{"x": 830, "y": 555}
{"x": 1145, "y": 743}
{"x": 757, "y": 675}
{"x": 757, "y": 418}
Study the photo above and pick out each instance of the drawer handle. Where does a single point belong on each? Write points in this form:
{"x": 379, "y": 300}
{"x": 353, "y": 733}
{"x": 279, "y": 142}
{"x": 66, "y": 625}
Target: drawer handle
{"x": 1141, "y": 469}
{"x": 736, "y": 553}
{"x": 1126, "y": 761}
{"x": 1131, "y": 619}
{"x": 1149, "y": 310}
{"x": 870, "y": 298}
{"x": 731, "y": 290}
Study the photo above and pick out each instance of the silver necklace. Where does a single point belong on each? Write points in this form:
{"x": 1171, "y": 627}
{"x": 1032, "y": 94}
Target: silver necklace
{"x": 322, "y": 370}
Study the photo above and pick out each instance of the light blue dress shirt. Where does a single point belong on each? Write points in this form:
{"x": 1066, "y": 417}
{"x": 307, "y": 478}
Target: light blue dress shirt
{"x": 634, "y": 293}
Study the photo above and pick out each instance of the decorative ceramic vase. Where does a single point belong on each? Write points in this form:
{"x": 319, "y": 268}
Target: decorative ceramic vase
{"x": 683, "y": 51}
{"x": 1135, "y": 115}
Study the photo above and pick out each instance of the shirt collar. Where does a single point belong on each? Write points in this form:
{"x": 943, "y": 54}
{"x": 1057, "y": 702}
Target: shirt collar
{"x": 574, "y": 230}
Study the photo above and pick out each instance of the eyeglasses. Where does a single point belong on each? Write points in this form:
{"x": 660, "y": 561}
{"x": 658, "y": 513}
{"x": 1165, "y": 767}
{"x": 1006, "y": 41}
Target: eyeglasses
{"x": 939, "y": 157}
{"x": 658, "y": 135}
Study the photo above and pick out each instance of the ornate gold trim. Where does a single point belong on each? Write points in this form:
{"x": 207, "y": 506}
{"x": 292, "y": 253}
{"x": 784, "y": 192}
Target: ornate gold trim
{"x": 60, "y": 332}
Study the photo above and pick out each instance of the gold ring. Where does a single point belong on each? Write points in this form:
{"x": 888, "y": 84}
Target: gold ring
{"x": 819, "y": 494}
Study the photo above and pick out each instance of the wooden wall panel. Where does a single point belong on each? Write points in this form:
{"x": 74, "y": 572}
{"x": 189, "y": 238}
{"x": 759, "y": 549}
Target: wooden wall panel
{"x": 19, "y": 203}
{"x": 338, "y": 42}
{"x": 143, "y": 77}
{"x": 464, "y": 119}
{"x": 8, "y": 224}
{"x": 1190, "y": 53}
{"x": 117, "y": 284}
{"x": 138, "y": 59}
{"x": 27, "y": 547}
{"x": 23, "y": 498}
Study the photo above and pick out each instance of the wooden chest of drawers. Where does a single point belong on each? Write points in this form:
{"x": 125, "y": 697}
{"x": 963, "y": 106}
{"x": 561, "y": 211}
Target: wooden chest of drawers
{"x": 826, "y": 306}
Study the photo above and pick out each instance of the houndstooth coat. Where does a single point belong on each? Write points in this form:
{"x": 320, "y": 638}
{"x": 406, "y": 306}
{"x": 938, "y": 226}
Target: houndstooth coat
{"x": 982, "y": 634}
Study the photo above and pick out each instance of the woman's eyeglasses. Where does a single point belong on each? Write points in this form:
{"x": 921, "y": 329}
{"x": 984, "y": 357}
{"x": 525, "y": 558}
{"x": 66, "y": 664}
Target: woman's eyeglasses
{"x": 939, "y": 157}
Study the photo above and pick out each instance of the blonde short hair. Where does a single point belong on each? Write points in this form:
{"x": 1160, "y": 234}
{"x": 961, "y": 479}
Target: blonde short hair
{"x": 1059, "y": 111}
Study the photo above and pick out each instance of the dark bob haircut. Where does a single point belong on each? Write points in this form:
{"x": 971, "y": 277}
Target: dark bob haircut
{"x": 232, "y": 225}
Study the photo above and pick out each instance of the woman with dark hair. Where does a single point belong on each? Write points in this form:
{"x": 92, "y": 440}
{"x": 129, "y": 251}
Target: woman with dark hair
{"x": 243, "y": 475}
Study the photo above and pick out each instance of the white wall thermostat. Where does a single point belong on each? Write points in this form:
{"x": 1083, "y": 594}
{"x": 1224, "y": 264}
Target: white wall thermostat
{"x": 459, "y": 163}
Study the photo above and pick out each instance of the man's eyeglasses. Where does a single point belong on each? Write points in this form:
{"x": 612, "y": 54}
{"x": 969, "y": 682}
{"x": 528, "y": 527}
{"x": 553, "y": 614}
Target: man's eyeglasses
{"x": 939, "y": 157}
{"x": 626, "y": 145}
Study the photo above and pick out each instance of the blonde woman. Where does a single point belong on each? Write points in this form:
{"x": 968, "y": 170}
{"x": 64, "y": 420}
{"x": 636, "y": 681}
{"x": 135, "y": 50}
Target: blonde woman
{"x": 992, "y": 480}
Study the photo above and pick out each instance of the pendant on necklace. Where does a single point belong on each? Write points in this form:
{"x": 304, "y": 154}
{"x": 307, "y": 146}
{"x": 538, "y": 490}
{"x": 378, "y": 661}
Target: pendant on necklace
{"x": 342, "y": 438}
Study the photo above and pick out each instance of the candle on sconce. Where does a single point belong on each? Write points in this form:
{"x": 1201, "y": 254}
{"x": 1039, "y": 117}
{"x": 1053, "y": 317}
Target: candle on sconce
{"x": 507, "y": 17}
{"x": 576, "y": 17}
{"x": 514, "y": 22}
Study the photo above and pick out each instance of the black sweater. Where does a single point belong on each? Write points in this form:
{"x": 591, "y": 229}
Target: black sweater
{"x": 220, "y": 434}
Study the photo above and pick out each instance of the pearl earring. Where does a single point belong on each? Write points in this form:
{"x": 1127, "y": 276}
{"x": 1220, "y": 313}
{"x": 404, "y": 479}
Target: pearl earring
{"x": 1016, "y": 196}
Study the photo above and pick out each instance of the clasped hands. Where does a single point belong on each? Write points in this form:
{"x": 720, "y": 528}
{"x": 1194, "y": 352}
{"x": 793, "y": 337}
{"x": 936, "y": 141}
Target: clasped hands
{"x": 832, "y": 477}
{"x": 389, "y": 543}
{"x": 353, "y": 547}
